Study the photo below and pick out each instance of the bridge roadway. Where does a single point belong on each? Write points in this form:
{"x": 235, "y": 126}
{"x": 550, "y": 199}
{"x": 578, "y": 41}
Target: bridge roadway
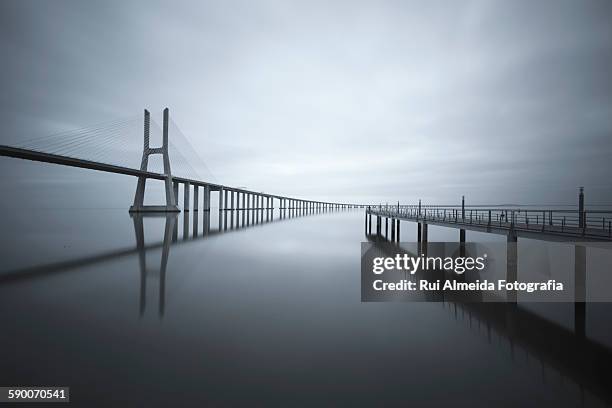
{"x": 286, "y": 202}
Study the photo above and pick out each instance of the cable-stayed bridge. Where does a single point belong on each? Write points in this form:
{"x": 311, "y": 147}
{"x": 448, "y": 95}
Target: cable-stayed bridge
{"x": 125, "y": 146}
{"x": 117, "y": 147}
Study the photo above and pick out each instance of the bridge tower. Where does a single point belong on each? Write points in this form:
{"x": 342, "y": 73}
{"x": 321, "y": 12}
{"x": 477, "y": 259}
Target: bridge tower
{"x": 138, "y": 205}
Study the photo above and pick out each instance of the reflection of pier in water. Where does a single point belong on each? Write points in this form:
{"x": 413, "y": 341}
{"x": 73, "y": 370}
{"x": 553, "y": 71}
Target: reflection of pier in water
{"x": 250, "y": 218}
{"x": 571, "y": 354}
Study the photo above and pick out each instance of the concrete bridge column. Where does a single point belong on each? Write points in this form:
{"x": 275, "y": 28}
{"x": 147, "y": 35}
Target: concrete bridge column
{"x": 220, "y": 208}
{"x": 255, "y": 207}
{"x": 196, "y": 197}
{"x": 186, "y": 223}
{"x": 242, "y": 206}
{"x": 206, "y": 198}
{"x": 175, "y": 189}
{"x": 186, "y": 188}
{"x": 258, "y": 206}
{"x": 232, "y": 208}
{"x": 392, "y": 229}
{"x": 424, "y": 232}
{"x": 419, "y": 232}
{"x": 247, "y": 202}
{"x": 386, "y": 226}
{"x": 252, "y": 204}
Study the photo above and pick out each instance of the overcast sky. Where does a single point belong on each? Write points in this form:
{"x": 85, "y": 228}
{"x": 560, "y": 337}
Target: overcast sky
{"x": 507, "y": 101}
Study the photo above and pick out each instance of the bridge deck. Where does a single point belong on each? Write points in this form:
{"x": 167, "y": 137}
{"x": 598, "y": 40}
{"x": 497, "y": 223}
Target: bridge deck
{"x": 32, "y": 155}
{"x": 546, "y": 224}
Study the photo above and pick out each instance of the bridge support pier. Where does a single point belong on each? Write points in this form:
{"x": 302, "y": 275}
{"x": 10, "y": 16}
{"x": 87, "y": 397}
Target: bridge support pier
{"x": 186, "y": 188}
{"x": 138, "y": 204}
{"x": 248, "y": 207}
{"x": 196, "y": 197}
{"x": 242, "y": 206}
{"x": 232, "y": 209}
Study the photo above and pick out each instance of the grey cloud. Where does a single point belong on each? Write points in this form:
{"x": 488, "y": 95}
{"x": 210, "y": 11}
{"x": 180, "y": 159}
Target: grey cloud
{"x": 501, "y": 101}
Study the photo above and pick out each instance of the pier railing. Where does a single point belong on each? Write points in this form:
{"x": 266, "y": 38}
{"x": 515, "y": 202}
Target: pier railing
{"x": 592, "y": 223}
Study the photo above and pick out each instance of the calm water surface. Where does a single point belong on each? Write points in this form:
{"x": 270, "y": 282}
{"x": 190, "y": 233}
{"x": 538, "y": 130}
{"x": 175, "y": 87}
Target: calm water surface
{"x": 265, "y": 315}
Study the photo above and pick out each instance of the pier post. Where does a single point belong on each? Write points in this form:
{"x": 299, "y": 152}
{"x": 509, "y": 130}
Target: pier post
{"x": 463, "y": 207}
{"x": 392, "y": 229}
{"x": 397, "y": 234}
{"x": 511, "y": 263}
{"x": 196, "y": 198}
{"x": 580, "y": 291}
{"x": 424, "y": 237}
{"x": 220, "y": 198}
{"x": 581, "y": 217}
{"x": 462, "y": 236}
{"x": 386, "y": 226}
{"x": 419, "y": 232}
{"x": 186, "y": 188}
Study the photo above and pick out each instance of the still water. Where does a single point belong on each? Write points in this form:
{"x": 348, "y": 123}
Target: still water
{"x": 150, "y": 312}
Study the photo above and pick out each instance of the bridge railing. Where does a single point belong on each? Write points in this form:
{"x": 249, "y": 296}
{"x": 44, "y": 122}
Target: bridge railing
{"x": 593, "y": 222}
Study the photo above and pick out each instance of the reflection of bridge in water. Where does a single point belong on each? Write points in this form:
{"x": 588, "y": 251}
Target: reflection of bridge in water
{"x": 570, "y": 353}
{"x": 190, "y": 233}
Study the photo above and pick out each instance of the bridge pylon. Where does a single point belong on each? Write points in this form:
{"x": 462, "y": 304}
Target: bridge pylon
{"x": 138, "y": 205}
